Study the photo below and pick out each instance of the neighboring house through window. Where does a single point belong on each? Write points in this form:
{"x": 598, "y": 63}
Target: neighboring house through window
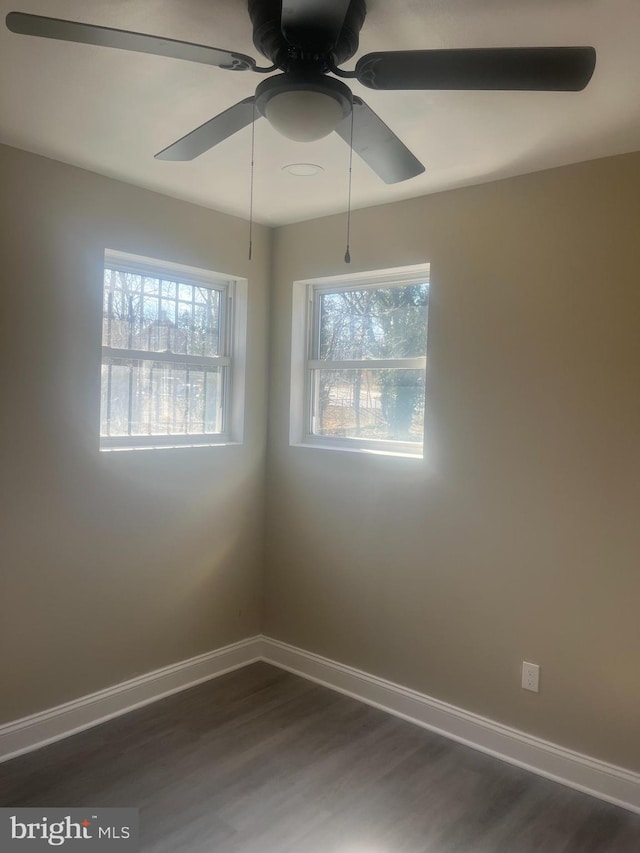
{"x": 359, "y": 361}
{"x": 172, "y": 355}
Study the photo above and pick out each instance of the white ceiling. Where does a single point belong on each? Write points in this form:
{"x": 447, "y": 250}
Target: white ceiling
{"x": 110, "y": 111}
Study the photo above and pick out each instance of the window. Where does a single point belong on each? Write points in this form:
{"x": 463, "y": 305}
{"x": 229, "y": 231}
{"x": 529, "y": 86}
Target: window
{"x": 359, "y": 361}
{"x": 172, "y": 372}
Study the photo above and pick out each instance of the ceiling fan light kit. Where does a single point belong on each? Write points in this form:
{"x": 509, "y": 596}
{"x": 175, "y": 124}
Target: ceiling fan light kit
{"x": 303, "y": 115}
{"x": 307, "y": 40}
{"x": 303, "y": 108}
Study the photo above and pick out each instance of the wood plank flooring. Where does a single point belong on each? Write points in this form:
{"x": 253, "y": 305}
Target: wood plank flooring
{"x": 261, "y": 761}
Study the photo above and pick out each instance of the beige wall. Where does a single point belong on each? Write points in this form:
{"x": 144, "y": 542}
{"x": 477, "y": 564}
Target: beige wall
{"x": 519, "y": 536}
{"x": 112, "y": 564}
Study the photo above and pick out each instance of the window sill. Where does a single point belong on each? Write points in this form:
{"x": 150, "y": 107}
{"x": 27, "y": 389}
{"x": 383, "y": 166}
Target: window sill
{"x": 371, "y": 451}
{"x": 186, "y": 446}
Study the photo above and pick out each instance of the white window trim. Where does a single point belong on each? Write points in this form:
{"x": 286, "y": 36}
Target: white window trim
{"x": 236, "y": 292}
{"x": 301, "y": 363}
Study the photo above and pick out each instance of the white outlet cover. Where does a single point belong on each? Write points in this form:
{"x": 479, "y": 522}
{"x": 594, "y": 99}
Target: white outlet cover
{"x": 530, "y": 676}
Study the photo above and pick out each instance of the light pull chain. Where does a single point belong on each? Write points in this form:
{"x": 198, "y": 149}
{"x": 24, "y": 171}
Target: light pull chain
{"x": 253, "y": 149}
{"x": 347, "y": 254}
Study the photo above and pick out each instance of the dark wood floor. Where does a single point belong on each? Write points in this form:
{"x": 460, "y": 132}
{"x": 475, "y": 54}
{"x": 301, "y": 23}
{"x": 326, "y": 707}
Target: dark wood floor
{"x": 261, "y": 761}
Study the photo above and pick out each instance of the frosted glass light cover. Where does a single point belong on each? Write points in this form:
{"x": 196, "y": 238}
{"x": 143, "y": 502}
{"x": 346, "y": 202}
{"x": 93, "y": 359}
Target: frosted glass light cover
{"x": 303, "y": 115}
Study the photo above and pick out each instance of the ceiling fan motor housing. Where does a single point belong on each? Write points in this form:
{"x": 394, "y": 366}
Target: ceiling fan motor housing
{"x": 266, "y": 17}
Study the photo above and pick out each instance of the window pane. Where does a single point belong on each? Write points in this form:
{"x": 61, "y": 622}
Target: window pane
{"x": 114, "y": 417}
{"x": 169, "y": 289}
{"x": 385, "y": 322}
{"x": 374, "y": 404}
{"x": 151, "y": 285}
{"x": 156, "y": 315}
{"x": 155, "y": 398}
{"x": 104, "y": 392}
{"x": 185, "y": 323}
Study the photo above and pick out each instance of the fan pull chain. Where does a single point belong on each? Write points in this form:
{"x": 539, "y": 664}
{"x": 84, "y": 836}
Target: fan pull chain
{"x": 253, "y": 149}
{"x": 347, "y": 254}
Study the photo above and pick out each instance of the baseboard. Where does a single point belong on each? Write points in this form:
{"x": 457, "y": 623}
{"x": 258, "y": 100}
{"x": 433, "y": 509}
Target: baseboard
{"x": 37, "y": 730}
{"x": 591, "y": 776}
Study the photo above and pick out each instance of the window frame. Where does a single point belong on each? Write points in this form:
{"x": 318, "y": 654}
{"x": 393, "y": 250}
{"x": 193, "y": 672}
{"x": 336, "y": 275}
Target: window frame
{"x": 232, "y": 347}
{"x": 305, "y": 357}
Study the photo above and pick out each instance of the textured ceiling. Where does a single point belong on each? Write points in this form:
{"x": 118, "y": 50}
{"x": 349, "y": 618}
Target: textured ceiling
{"x": 109, "y": 111}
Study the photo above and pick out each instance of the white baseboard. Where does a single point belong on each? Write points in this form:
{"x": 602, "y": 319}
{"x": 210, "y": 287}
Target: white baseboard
{"x": 589, "y": 775}
{"x": 37, "y": 730}
{"x": 605, "y": 781}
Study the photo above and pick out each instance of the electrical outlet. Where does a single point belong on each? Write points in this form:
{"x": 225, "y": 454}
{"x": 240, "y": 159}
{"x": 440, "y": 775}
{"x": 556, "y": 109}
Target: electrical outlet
{"x": 530, "y": 676}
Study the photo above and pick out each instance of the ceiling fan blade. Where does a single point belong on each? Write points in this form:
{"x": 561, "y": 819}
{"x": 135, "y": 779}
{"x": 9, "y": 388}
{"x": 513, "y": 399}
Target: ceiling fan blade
{"x": 378, "y": 145}
{"x": 211, "y": 132}
{"x": 313, "y": 24}
{"x": 55, "y": 28}
{"x": 566, "y": 69}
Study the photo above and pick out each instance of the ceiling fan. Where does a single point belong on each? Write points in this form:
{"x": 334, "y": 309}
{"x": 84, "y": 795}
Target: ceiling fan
{"x": 307, "y": 40}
